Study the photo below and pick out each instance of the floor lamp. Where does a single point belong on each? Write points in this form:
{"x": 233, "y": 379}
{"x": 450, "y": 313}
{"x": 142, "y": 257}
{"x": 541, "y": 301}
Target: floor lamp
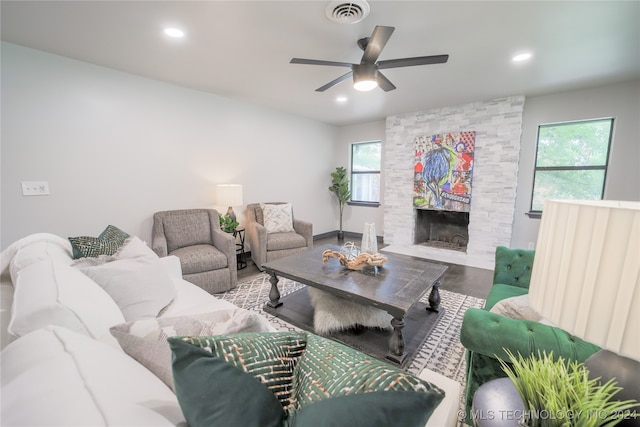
{"x": 585, "y": 280}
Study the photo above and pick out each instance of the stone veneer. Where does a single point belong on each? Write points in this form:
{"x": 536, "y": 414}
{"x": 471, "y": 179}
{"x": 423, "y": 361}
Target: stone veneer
{"x": 498, "y": 125}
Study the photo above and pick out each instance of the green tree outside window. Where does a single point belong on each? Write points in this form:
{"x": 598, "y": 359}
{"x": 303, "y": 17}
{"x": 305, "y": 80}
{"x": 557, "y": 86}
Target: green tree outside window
{"x": 571, "y": 161}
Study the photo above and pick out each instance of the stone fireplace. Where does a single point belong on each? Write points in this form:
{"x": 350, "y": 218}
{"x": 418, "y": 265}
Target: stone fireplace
{"x": 497, "y": 125}
{"x": 442, "y": 229}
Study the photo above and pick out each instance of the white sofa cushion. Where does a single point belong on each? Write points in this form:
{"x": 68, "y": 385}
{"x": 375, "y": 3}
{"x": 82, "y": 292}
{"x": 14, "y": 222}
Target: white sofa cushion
{"x": 134, "y": 277}
{"x": 54, "y": 376}
{"x": 33, "y": 248}
{"x": 50, "y": 293}
{"x": 191, "y": 299}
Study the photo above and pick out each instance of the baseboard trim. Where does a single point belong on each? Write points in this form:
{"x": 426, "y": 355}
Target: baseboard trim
{"x": 347, "y": 235}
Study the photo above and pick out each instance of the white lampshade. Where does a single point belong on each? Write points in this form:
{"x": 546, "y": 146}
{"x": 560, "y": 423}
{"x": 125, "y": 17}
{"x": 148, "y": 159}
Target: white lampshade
{"x": 229, "y": 194}
{"x": 586, "y": 272}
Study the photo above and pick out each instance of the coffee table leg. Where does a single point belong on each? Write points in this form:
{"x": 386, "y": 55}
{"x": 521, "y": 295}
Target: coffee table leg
{"x": 396, "y": 342}
{"x": 434, "y": 297}
{"x": 274, "y": 293}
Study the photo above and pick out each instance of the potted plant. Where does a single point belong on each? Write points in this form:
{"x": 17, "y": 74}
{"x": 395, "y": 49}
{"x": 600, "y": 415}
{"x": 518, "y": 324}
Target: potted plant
{"x": 558, "y": 393}
{"x": 228, "y": 224}
{"x": 340, "y": 187}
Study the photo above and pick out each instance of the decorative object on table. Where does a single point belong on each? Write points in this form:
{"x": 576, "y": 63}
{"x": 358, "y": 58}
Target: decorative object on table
{"x": 350, "y": 249}
{"x": 369, "y": 239}
{"x": 353, "y": 258}
{"x": 340, "y": 187}
{"x": 586, "y": 280}
{"x": 228, "y": 224}
{"x": 229, "y": 195}
{"x": 551, "y": 385}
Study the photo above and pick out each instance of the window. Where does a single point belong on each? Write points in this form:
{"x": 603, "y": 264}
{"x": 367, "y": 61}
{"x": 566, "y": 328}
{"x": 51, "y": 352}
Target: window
{"x": 365, "y": 172}
{"x": 571, "y": 161}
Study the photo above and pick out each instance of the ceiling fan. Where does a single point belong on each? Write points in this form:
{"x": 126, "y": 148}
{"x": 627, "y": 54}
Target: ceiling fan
{"x": 366, "y": 74}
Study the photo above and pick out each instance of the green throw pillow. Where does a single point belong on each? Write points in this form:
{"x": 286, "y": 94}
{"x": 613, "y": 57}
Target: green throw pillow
{"x": 107, "y": 243}
{"x": 269, "y": 357}
{"x": 293, "y": 379}
{"x": 375, "y": 409}
{"x": 212, "y": 392}
{"x": 330, "y": 369}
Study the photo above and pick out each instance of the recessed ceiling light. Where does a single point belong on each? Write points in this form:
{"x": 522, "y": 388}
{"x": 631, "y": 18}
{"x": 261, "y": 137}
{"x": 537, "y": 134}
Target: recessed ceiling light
{"x": 174, "y": 32}
{"x": 341, "y": 99}
{"x": 522, "y": 57}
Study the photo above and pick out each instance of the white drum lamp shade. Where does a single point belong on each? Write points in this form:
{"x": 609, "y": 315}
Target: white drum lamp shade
{"x": 586, "y": 272}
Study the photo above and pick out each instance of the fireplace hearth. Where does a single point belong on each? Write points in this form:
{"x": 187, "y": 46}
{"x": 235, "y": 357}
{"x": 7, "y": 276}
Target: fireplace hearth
{"x": 442, "y": 229}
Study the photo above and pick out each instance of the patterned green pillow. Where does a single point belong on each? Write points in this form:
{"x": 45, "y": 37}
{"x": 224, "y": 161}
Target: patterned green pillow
{"x": 374, "y": 409}
{"x": 330, "y": 369}
{"x": 245, "y": 380}
{"x": 107, "y": 243}
{"x": 212, "y": 392}
{"x": 269, "y": 357}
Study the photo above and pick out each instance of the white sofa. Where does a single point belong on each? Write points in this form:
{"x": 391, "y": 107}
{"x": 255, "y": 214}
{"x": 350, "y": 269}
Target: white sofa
{"x": 60, "y": 364}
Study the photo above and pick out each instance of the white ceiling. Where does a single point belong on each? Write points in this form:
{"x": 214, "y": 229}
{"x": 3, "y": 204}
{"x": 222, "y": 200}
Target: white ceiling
{"x": 241, "y": 49}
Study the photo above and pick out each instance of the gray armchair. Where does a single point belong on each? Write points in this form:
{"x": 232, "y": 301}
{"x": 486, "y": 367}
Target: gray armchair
{"x": 267, "y": 247}
{"x": 207, "y": 254}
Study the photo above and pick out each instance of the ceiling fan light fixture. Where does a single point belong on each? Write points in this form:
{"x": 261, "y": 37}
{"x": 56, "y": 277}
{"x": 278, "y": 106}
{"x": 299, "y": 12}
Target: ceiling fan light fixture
{"x": 365, "y": 85}
{"x": 365, "y": 77}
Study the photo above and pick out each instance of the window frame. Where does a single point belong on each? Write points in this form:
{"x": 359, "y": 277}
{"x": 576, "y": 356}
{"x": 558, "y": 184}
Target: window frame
{"x": 534, "y": 213}
{"x": 352, "y": 172}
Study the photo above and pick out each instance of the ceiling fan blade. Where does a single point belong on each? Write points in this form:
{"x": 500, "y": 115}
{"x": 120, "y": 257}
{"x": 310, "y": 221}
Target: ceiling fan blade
{"x": 410, "y": 62}
{"x": 378, "y": 40}
{"x": 384, "y": 83}
{"x": 319, "y": 62}
{"x": 334, "y": 82}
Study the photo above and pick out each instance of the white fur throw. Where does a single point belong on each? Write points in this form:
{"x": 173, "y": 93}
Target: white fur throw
{"x": 332, "y": 313}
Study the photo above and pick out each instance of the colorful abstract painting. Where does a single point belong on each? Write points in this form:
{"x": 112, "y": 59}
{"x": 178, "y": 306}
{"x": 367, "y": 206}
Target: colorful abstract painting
{"x": 443, "y": 169}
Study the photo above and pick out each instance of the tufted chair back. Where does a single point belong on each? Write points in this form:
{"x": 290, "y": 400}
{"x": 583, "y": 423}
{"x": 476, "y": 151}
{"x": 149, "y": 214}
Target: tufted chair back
{"x": 513, "y": 266}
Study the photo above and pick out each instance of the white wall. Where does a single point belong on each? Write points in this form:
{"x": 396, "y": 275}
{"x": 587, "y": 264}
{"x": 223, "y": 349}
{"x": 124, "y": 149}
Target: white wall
{"x": 356, "y": 216}
{"x": 620, "y": 101}
{"x": 115, "y": 148}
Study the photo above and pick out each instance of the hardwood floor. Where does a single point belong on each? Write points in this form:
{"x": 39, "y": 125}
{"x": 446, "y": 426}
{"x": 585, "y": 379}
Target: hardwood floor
{"x": 461, "y": 279}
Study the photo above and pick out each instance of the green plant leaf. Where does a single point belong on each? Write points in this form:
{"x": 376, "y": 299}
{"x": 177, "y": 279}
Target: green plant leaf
{"x": 563, "y": 392}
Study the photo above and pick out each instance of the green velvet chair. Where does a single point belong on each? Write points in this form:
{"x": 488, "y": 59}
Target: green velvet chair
{"x": 485, "y": 335}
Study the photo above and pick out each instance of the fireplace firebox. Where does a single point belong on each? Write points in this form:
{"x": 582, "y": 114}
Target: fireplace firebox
{"x": 442, "y": 229}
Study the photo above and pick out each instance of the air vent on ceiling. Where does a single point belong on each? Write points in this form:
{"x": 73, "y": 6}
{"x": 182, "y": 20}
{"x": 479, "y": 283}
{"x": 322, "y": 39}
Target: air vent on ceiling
{"x": 347, "y": 12}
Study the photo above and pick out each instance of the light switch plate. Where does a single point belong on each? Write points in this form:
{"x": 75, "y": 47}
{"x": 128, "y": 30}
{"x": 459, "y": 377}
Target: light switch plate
{"x": 35, "y": 188}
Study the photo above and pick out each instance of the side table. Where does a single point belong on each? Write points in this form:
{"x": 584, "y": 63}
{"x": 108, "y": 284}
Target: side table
{"x": 241, "y": 256}
{"x": 497, "y": 404}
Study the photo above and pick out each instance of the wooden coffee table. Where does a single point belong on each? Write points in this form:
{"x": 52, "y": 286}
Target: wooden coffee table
{"x": 396, "y": 287}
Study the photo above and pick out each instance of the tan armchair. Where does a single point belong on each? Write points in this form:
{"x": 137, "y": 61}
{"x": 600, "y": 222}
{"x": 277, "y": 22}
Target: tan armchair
{"x": 266, "y": 246}
{"x": 207, "y": 254}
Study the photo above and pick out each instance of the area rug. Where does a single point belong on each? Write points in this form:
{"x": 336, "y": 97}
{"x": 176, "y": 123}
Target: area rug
{"x": 441, "y": 352}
